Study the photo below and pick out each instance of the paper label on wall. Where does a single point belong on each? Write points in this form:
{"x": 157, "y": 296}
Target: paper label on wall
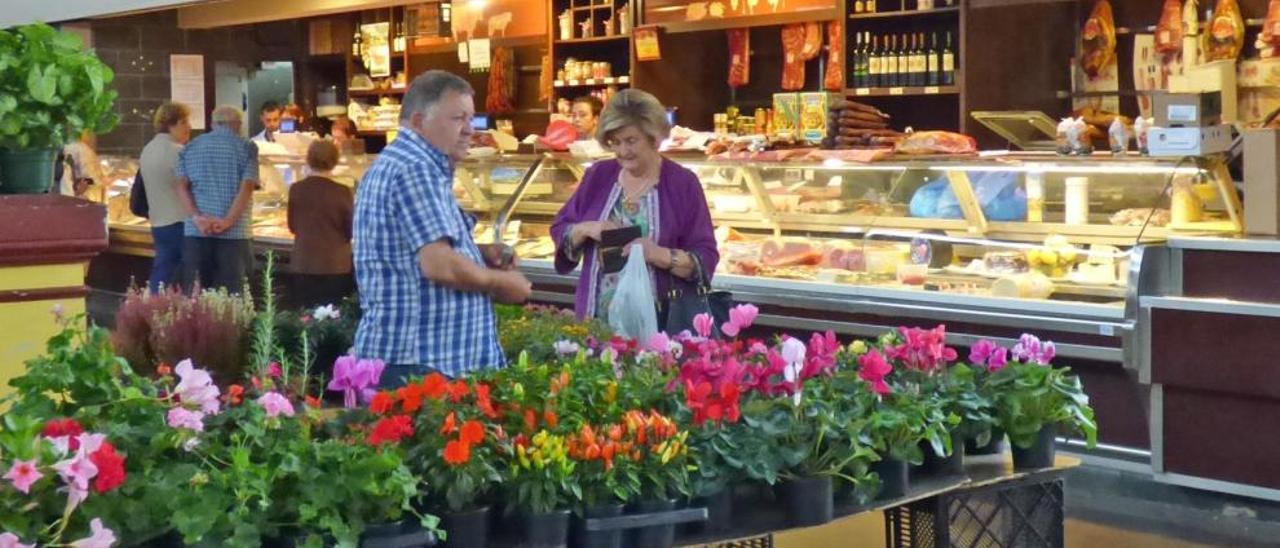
{"x": 1150, "y": 70}
{"x": 478, "y": 50}
{"x": 186, "y": 85}
{"x": 462, "y": 52}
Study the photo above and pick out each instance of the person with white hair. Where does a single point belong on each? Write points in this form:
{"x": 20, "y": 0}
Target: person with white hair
{"x": 217, "y": 173}
{"x": 426, "y": 288}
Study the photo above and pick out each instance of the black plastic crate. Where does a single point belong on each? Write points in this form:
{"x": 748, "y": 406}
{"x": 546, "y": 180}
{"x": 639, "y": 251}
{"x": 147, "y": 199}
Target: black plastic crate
{"x": 1021, "y": 514}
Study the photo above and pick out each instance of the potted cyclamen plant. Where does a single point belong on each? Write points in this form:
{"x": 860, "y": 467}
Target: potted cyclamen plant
{"x": 1035, "y": 398}
{"x": 985, "y": 359}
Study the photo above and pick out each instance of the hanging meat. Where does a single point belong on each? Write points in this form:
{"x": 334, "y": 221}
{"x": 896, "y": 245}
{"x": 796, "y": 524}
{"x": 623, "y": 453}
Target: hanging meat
{"x": 739, "y": 57}
{"x": 502, "y": 82}
{"x": 793, "y": 40}
{"x": 545, "y": 83}
{"x": 1169, "y": 32}
{"x": 1269, "y": 39}
{"x": 1098, "y": 41}
{"x": 812, "y": 41}
{"x": 1226, "y": 32}
{"x": 834, "y": 80}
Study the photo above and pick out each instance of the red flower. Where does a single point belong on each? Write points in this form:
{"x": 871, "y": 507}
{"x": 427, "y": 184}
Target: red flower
{"x": 450, "y": 425}
{"x": 923, "y": 350}
{"x": 410, "y": 396}
{"x": 457, "y": 452}
{"x": 382, "y": 403}
{"x": 64, "y": 427}
{"x": 235, "y": 394}
{"x": 434, "y": 386}
{"x": 391, "y": 429}
{"x": 484, "y": 403}
{"x": 530, "y": 420}
{"x": 472, "y": 432}
{"x": 164, "y": 370}
{"x": 312, "y": 402}
{"x": 458, "y": 390}
{"x": 110, "y": 465}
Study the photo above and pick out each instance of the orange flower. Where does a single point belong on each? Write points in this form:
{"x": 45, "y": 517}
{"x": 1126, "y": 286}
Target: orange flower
{"x": 610, "y": 449}
{"x": 410, "y": 397}
{"x": 450, "y": 425}
{"x": 382, "y": 403}
{"x": 593, "y": 452}
{"x": 458, "y": 390}
{"x": 457, "y": 452}
{"x": 164, "y": 370}
{"x": 530, "y": 420}
{"x": 312, "y": 402}
{"x": 235, "y": 394}
{"x": 615, "y": 432}
{"x": 551, "y": 419}
{"x": 484, "y": 403}
{"x": 434, "y": 386}
{"x": 472, "y": 432}
{"x": 560, "y": 383}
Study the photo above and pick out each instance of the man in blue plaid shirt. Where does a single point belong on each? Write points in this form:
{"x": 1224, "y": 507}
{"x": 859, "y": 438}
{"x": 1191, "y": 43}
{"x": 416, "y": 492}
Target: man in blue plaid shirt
{"x": 217, "y": 173}
{"x": 426, "y": 288}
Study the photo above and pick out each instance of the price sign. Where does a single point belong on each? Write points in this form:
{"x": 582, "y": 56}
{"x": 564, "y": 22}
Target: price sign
{"x": 897, "y": 91}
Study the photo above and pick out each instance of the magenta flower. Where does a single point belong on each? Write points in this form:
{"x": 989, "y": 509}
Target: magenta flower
{"x": 821, "y": 357}
{"x": 1030, "y": 350}
{"x": 989, "y": 354}
{"x": 273, "y": 370}
{"x": 185, "y": 419}
{"x": 923, "y": 350}
{"x": 352, "y": 376}
{"x": 196, "y": 387}
{"x": 703, "y": 324}
{"x": 10, "y": 540}
{"x": 873, "y": 368}
{"x": 740, "y": 317}
{"x": 275, "y": 405}
{"x": 100, "y": 536}
{"x": 22, "y": 474}
{"x": 660, "y": 342}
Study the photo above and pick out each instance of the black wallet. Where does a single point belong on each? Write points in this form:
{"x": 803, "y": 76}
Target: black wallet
{"x": 612, "y": 243}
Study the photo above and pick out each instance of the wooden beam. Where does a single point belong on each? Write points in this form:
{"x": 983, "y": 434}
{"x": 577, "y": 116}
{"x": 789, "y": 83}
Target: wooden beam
{"x": 243, "y": 12}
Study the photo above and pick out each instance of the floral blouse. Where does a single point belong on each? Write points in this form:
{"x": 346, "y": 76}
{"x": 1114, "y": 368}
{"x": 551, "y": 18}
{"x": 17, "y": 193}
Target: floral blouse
{"x": 638, "y": 213}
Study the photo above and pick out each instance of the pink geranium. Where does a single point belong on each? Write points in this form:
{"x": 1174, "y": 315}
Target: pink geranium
{"x": 196, "y": 387}
{"x": 989, "y": 354}
{"x": 185, "y": 419}
{"x": 873, "y": 368}
{"x": 356, "y": 377}
{"x": 275, "y": 405}
{"x": 22, "y": 474}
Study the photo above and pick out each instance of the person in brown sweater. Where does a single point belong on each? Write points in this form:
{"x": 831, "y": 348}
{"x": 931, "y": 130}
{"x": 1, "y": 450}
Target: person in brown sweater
{"x": 320, "y": 212}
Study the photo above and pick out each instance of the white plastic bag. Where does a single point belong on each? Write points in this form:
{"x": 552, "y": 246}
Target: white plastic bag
{"x": 633, "y": 312}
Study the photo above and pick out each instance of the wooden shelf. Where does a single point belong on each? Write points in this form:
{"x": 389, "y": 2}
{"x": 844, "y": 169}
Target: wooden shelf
{"x": 593, "y": 7}
{"x": 593, "y": 40}
{"x": 905, "y": 13}
{"x": 435, "y": 46}
{"x": 617, "y": 81}
{"x": 762, "y": 20}
{"x": 376, "y": 92}
{"x": 906, "y": 91}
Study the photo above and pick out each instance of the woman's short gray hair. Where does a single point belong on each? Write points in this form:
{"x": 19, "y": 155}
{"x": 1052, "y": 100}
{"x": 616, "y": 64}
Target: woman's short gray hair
{"x": 226, "y": 115}
{"x": 633, "y": 107}
{"x": 427, "y": 89}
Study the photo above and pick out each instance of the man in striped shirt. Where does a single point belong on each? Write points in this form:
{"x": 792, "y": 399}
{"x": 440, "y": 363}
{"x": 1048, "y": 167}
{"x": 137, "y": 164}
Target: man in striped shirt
{"x": 426, "y": 288}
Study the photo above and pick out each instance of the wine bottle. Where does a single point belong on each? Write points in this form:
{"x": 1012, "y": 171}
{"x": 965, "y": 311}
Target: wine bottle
{"x": 873, "y": 63}
{"x": 891, "y": 62}
{"x": 859, "y": 6}
{"x": 864, "y": 54}
{"x": 904, "y": 63}
{"x": 948, "y": 63}
{"x": 917, "y": 61}
{"x": 855, "y": 61}
{"x": 932, "y": 62}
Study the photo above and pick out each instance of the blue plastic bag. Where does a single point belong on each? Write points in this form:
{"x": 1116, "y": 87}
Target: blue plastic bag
{"x": 1000, "y": 195}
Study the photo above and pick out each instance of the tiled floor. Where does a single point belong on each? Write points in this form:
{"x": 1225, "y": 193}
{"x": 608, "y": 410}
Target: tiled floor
{"x": 1084, "y": 534}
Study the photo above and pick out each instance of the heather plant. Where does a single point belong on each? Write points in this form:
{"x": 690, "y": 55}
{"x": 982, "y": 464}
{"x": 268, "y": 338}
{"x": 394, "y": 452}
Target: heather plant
{"x": 210, "y": 327}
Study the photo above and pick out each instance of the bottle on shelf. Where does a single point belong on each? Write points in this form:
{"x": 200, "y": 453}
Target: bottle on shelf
{"x": 904, "y": 63}
{"x": 355, "y": 44}
{"x": 871, "y": 6}
{"x": 873, "y": 63}
{"x": 933, "y": 62}
{"x": 866, "y": 59}
{"x": 948, "y": 77}
{"x": 889, "y": 77}
{"x": 918, "y": 76}
{"x": 859, "y": 6}
{"x": 859, "y": 62}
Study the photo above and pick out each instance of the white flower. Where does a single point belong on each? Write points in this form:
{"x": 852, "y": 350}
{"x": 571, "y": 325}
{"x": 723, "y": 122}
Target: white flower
{"x": 793, "y": 351}
{"x": 326, "y": 312}
{"x": 566, "y": 348}
{"x": 191, "y": 444}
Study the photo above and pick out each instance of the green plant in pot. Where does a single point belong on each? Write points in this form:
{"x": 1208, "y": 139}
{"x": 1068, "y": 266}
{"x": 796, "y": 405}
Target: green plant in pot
{"x": 1034, "y": 399}
{"x": 52, "y": 89}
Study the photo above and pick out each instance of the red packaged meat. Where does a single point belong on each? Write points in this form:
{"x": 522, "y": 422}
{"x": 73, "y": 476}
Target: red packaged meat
{"x": 834, "y": 80}
{"x": 739, "y": 57}
{"x": 792, "y": 57}
{"x": 937, "y": 142}
{"x": 843, "y": 255}
{"x": 1169, "y": 32}
{"x": 789, "y": 252}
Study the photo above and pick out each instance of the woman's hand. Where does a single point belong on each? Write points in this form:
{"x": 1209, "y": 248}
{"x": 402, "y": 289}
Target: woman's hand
{"x": 589, "y": 230}
{"x": 654, "y": 254}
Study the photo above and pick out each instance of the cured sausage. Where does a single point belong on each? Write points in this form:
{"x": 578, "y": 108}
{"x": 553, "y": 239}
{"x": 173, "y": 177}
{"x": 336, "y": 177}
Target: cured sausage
{"x": 812, "y": 41}
{"x": 1098, "y": 40}
{"x": 1268, "y": 42}
{"x": 739, "y": 57}
{"x": 1225, "y": 38}
{"x": 1169, "y": 32}
{"x": 502, "y": 82}
{"x": 937, "y": 142}
{"x": 834, "y": 80}
{"x": 792, "y": 57}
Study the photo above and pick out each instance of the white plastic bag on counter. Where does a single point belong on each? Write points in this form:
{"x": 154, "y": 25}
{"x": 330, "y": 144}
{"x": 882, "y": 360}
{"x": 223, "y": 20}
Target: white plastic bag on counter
{"x": 633, "y": 312}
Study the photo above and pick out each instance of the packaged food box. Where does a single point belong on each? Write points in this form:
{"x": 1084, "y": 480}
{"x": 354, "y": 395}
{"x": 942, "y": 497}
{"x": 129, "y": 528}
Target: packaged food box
{"x": 813, "y": 115}
{"x": 786, "y": 113}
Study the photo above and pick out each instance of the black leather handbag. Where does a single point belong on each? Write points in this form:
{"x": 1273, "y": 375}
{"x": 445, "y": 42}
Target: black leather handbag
{"x": 677, "y": 309}
{"x": 138, "y": 197}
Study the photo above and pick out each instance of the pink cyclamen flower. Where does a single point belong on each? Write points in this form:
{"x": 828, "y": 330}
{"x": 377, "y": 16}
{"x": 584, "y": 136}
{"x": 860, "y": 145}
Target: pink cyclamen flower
{"x": 276, "y": 404}
{"x": 1030, "y": 350}
{"x": 99, "y": 537}
{"x": 989, "y": 354}
{"x": 740, "y": 317}
{"x": 273, "y": 370}
{"x": 22, "y": 474}
{"x": 185, "y": 419}
{"x": 659, "y": 342}
{"x": 873, "y": 368}
{"x": 354, "y": 376}
{"x": 10, "y": 540}
{"x": 703, "y": 324}
{"x": 196, "y": 387}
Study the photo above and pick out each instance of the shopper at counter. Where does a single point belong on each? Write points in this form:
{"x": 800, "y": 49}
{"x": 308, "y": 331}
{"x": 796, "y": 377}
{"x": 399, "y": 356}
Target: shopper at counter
{"x": 158, "y": 164}
{"x": 639, "y": 188}
{"x": 426, "y": 288}
{"x": 319, "y": 214}
{"x": 217, "y": 173}
{"x": 269, "y": 115}
{"x": 585, "y": 114}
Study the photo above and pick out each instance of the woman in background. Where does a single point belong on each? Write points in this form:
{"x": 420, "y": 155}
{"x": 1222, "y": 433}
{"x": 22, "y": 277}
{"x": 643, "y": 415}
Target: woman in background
{"x": 157, "y": 163}
{"x": 320, "y": 213}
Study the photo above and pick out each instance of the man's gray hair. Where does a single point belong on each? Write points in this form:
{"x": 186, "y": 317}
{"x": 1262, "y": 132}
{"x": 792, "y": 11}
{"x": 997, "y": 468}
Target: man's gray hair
{"x": 633, "y": 107}
{"x": 427, "y": 89}
{"x": 226, "y": 116}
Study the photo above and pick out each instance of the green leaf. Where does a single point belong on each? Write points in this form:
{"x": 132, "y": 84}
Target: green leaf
{"x": 40, "y": 86}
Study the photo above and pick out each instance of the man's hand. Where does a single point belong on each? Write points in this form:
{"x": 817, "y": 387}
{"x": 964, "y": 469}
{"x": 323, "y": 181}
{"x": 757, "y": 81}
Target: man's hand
{"x": 205, "y": 224}
{"x": 510, "y": 287}
{"x": 499, "y": 256}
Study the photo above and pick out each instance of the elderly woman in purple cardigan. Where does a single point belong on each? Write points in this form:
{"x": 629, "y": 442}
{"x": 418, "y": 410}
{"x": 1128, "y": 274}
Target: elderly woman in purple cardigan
{"x": 640, "y": 188}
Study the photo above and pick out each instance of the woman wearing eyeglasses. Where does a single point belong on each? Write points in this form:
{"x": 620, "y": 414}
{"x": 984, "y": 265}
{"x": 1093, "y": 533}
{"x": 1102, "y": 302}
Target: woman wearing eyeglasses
{"x": 640, "y": 189}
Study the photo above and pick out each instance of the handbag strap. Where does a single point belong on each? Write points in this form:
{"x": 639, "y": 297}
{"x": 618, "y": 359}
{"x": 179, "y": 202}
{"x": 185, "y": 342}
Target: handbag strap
{"x": 703, "y": 284}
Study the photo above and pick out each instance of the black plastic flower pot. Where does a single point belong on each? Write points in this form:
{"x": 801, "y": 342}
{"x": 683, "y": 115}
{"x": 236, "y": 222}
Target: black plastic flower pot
{"x": 656, "y": 536}
{"x": 582, "y": 538}
{"x": 549, "y": 530}
{"x": 939, "y": 465}
{"x": 466, "y": 529}
{"x": 395, "y": 535}
{"x": 994, "y": 446}
{"x": 1039, "y": 455}
{"x": 893, "y": 478}
{"x": 809, "y": 501}
{"x": 719, "y": 507}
